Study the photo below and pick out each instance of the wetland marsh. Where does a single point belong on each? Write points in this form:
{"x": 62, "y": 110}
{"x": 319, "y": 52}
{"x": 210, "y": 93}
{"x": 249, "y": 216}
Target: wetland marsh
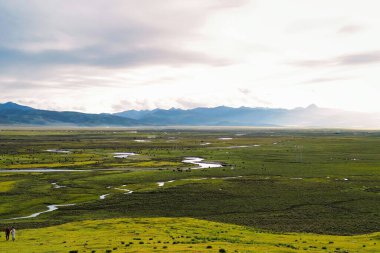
{"x": 268, "y": 180}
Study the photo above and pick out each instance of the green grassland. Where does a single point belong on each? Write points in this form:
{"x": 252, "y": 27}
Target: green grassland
{"x": 177, "y": 235}
{"x": 276, "y": 181}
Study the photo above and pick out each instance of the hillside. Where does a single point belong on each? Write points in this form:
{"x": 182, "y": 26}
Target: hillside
{"x": 183, "y": 235}
{"x": 14, "y": 114}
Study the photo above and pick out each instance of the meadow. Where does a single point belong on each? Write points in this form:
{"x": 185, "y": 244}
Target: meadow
{"x": 275, "y": 187}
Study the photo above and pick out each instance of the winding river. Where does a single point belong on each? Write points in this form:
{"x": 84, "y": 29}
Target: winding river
{"x": 199, "y": 161}
{"x": 51, "y": 208}
{"x": 192, "y": 160}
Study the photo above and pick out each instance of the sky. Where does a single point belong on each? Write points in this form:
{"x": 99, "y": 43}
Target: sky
{"x": 116, "y": 55}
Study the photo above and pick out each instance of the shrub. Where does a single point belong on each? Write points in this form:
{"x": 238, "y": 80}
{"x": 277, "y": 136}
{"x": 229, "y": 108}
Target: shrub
{"x": 222, "y": 251}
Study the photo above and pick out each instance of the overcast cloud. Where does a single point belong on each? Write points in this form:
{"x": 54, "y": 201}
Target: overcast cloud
{"x": 115, "y": 55}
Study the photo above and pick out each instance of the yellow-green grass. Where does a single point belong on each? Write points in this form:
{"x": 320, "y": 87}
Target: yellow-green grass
{"x": 50, "y": 165}
{"x": 177, "y": 235}
{"x": 6, "y": 186}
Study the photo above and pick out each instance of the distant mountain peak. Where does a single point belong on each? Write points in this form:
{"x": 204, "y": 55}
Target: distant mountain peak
{"x": 9, "y": 103}
{"x": 15, "y": 114}
{"x": 312, "y": 106}
{"x": 12, "y": 105}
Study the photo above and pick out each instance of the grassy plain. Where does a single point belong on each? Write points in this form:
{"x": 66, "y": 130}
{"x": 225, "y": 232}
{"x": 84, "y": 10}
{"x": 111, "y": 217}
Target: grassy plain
{"x": 177, "y": 235}
{"x": 272, "y": 180}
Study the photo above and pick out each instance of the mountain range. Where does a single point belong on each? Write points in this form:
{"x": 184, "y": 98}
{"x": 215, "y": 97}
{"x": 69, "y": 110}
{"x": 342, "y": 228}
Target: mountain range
{"x": 311, "y": 116}
{"x": 15, "y": 114}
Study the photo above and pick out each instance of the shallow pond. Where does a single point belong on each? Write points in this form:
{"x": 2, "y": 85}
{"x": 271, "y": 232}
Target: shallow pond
{"x": 103, "y": 196}
{"x": 123, "y": 155}
{"x": 58, "y": 151}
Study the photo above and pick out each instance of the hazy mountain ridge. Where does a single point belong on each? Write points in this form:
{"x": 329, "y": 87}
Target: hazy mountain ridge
{"x": 14, "y": 114}
{"x": 311, "y": 116}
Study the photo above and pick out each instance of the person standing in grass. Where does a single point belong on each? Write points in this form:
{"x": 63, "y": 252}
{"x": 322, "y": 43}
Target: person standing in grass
{"x": 7, "y": 232}
{"x": 13, "y": 232}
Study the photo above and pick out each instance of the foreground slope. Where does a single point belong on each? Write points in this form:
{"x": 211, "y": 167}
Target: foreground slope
{"x": 177, "y": 235}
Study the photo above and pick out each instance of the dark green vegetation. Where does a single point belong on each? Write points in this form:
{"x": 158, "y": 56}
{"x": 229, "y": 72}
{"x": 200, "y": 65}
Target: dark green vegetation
{"x": 318, "y": 181}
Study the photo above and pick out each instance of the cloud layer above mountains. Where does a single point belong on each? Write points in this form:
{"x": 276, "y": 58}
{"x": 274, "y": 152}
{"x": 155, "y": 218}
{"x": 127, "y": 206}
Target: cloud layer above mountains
{"x": 107, "y": 55}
